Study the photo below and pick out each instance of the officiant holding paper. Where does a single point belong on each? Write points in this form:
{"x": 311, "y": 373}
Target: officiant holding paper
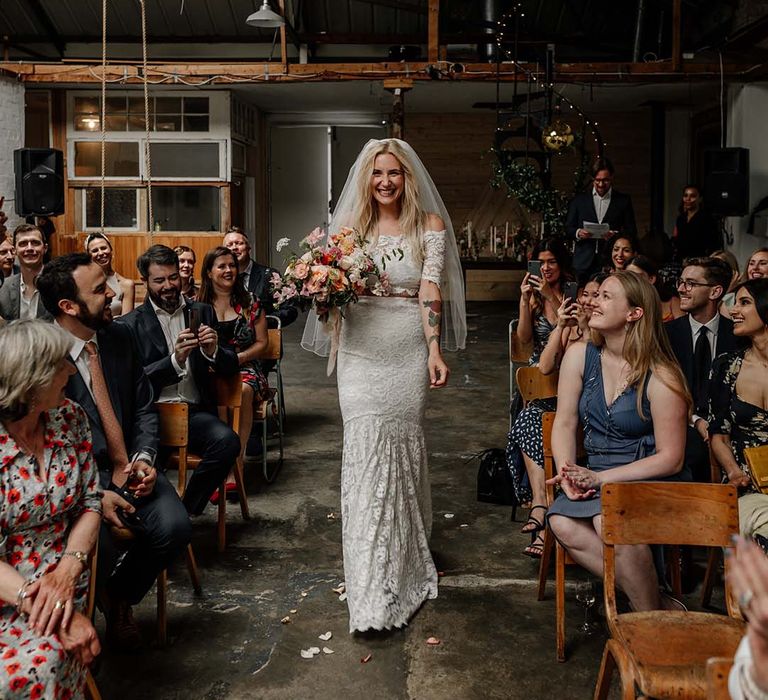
{"x": 593, "y": 217}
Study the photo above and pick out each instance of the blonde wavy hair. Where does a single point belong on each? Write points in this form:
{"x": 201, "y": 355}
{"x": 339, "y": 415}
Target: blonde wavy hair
{"x": 646, "y": 347}
{"x": 365, "y": 218}
{"x": 30, "y": 353}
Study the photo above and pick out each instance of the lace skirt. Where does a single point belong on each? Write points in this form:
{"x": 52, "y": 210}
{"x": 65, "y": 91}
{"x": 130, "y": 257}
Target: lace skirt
{"x": 385, "y": 496}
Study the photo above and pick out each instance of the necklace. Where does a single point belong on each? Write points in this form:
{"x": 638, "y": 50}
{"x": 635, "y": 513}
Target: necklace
{"x": 621, "y": 384}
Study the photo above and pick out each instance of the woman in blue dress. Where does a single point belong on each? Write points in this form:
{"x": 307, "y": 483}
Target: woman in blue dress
{"x": 630, "y": 396}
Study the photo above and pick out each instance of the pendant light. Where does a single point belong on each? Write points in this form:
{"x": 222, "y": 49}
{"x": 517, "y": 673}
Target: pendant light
{"x": 265, "y": 18}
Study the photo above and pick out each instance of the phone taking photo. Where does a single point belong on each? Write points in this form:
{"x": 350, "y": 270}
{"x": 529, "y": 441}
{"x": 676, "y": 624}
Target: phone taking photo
{"x": 534, "y": 268}
{"x": 571, "y": 291}
{"x": 194, "y": 321}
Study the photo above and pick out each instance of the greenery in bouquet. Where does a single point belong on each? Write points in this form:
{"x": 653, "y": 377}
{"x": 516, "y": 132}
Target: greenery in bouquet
{"x": 328, "y": 275}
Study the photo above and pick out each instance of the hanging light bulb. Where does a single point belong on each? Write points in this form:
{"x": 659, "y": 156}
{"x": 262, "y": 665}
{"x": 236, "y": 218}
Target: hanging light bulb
{"x": 265, "y": 17}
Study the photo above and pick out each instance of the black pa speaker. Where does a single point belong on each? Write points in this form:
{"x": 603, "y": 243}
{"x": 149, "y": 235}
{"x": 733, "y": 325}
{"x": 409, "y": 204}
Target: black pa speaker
{"x": 39, "y": 181}
{"x": 726, "y": 181}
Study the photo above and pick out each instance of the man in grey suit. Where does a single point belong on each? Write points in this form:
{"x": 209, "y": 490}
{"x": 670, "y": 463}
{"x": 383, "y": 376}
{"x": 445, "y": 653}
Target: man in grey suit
{"x": 19, "y": 298}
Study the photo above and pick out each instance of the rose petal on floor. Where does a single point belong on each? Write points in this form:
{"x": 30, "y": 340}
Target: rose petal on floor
{"x": 314, "y": 650}
{"x": 343, "y": 597}
{"x": 366, "y": 659}
{"x": 433, "y": 641}
{"x": 448, "y": 516}
{"x": 293, "y": 612}
{"x": 326, "y": 650}
{"x": 325, "y": 637}
{"x": 306, "y": 654}
{"x": 286, "y": 619}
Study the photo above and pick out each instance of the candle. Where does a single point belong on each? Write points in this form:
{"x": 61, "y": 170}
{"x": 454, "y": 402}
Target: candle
{"x": 506, "y": 236}
{"x": 469, "y": 235}
{"x": 493, "y": 240}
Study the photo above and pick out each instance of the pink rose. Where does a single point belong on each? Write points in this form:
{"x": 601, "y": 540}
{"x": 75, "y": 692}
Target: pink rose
{"x": 300, "y": 270}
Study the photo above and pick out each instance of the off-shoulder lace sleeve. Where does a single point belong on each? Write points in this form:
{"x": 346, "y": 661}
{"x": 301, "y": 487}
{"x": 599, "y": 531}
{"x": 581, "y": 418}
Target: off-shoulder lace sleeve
{"x": 434, "y": 256}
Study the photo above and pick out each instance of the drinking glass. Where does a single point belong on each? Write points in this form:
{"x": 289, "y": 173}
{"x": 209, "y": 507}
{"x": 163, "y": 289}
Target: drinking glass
{"x": 585, "y": 594}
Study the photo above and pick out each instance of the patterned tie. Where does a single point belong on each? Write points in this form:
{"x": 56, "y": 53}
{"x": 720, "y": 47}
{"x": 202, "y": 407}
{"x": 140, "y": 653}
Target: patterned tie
{"x": 112, "y": 430}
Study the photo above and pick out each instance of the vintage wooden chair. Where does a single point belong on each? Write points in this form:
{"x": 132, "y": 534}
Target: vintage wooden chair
{"x": 718, "y": 669}
{"x": 664, "y": 653}
{"x": 174, "y": 433}
{"x": 532, "y": 384}
{"x": 519, "y": 355}
{"x": 275, "y": 353}
{"x": 562, "y": 558}
{"x": 715, "y": 555}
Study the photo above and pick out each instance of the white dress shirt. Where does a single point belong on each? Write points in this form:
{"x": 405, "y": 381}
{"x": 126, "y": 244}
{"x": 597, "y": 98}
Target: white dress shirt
{"x": 713, "y": 325}
{"x": 79, "y": 356}
{"x": 173, "y": 324}
{"x": 27, "y": 306}
{"x": 601, "y": 204}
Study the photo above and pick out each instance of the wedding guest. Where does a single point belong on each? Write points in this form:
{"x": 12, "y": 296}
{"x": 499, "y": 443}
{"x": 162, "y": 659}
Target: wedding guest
{"x": 256, "y": 277}
{"x": 50, "y": 509}
{"x": 525, "y": 450}
{"x": 757, "y": 265}
{"x": 181, "y": 363}
{"x": 7, "y": 256}
{"x": 19, "y": 298}
{"x": 603, "y": 205}
{"x": 187, "y": 262}
{"x": 622, "y": 251}
{"x": 112, "y": 388}
{"x": 696, "y": 340}
{"x": 729, "y": 297}
{"x": 99, "y": 247}
{"x": 631, "y": 398}
{"x": 748, "y": 578}
{"x": 241, "y": 326}
{"x": 738, "y": 408}
{"x": 670, "y": 301}
{"x": 540, "y": 297}
{"x": 696, "y": 233}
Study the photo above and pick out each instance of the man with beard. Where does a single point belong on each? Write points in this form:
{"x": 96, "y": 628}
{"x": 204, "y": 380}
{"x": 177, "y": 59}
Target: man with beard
{"x": 19, "y": 297}
{"x": 111, "y": 386}
{"x": 179, "y": 350}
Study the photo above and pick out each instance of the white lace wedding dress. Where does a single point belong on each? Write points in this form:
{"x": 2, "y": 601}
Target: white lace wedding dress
{"x": 386, "y": 504}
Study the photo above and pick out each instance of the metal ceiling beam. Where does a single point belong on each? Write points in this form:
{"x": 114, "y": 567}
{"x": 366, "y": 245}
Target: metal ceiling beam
{"x": 48, "y": 26}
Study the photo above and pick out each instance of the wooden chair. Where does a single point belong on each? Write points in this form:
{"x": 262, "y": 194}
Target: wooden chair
{"x": 532, "y": 384}
{"x": 664, "y": 653}
{"x": 562, "y": 558}
{"x": 519, "y": 355}
{"x": 274, "y": 407}
{"x": 174, "y": 433}
{"x": 718, "y": 670}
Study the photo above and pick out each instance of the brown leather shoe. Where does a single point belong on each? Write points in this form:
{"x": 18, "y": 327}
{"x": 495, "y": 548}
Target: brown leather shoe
{"x": 122, "y": 631}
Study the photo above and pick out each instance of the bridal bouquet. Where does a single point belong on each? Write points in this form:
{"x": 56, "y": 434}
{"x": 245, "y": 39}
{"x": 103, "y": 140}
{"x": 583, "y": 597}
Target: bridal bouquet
{"x": 328, "y": 276}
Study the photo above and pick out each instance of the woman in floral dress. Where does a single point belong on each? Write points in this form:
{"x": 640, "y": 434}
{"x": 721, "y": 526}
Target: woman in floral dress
{"x": 242, "y": 327}
{"x": 50, "y": 510}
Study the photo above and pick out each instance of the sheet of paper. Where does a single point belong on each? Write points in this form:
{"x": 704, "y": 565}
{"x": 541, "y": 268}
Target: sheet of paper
{"x": 596, "y": 230}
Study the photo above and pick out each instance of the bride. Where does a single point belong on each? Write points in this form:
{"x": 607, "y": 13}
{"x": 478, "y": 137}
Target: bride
{"x": 390, "y": 354}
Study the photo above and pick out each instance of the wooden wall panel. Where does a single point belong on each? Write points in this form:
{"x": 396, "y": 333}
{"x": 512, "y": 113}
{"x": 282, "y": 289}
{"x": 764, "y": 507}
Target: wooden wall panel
{"x": 128, "y": 246}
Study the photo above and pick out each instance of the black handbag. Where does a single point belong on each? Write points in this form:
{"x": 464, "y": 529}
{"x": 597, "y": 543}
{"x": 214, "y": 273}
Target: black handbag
{"x": 494, "y": 482}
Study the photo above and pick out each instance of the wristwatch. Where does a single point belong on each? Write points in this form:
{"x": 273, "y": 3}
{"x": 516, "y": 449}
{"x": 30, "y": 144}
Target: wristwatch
{"x": 82, "y": 557}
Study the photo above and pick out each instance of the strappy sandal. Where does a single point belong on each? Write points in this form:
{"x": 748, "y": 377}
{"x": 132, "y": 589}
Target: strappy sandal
{"x": 533, "y": 525}
{"x": 535, "y": 550}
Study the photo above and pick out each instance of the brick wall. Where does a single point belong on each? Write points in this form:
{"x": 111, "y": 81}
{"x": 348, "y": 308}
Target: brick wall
{"x": 454, "y": 148}
{"x": 11, "y": 138}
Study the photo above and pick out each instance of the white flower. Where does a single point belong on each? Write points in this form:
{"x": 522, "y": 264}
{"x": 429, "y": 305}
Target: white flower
{"x": 282, "y": 243}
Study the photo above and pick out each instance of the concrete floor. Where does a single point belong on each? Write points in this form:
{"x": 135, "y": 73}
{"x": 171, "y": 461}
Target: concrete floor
{"x": 497, "y": 641}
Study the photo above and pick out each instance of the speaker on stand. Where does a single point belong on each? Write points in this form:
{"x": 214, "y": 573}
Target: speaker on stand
{"x": 39, "y": 181}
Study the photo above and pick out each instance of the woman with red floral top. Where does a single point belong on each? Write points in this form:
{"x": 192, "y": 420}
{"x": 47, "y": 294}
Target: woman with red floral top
{"x": 50, "y": 510}
{"x": 242, "y": 327}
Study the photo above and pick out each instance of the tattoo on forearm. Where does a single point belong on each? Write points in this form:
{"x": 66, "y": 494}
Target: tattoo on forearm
{"x": 433, "y": 339}
{"x": 435, "y": 307}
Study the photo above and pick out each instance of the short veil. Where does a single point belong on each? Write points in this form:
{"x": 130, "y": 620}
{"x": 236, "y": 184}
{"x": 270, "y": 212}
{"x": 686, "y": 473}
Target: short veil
{"x": 317, "y": 339}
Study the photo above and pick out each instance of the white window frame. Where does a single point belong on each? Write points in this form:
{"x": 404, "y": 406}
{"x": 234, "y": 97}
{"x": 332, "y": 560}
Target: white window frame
{"x": 219, "y": 132}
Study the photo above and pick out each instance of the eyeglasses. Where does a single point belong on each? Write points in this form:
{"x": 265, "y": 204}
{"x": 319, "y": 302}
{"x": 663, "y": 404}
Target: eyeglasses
{"x": 688, "y": 285}
{"x": 603, "y": 179}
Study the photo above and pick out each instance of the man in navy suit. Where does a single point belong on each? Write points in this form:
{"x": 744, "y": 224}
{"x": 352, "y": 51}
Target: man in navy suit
{"x": 74, "y": 290}
{"x": 181, "y": 363}
{"x": 603, "y": 205}
{"x": 702, "y": 285}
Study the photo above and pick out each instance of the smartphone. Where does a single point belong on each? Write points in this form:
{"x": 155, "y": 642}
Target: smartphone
{"x": 571, "y": 290}
{"x": 534, "y": 267}
{"x": 194, "y": 321}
